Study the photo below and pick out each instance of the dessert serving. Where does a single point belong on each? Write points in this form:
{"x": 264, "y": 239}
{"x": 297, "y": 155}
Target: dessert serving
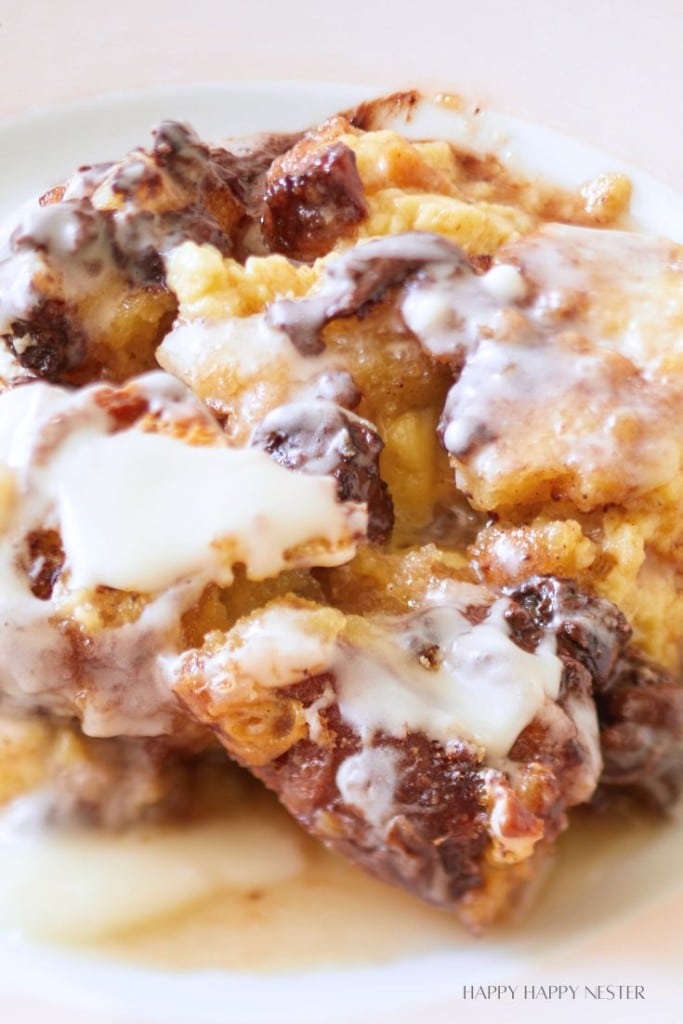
{"x": 354, "y": 461}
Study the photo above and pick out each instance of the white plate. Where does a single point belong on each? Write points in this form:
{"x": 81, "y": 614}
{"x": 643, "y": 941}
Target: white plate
{"x": 611, "y": 919}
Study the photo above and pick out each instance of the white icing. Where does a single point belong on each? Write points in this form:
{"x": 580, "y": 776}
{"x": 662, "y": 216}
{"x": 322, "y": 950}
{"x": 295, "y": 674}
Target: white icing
{"x": 569, "y": 343}
{"x": 317, "y": 433}
{"x": 244, "y": 346}
{"x": 311, "y": 714}
{"x": 621, "y": 290}
{"x": 10, "y": 367}
{"x": 429, "y": 313}
{"x": 17, "y": 295}
{"x": 127, "y": 690}
{"x": 579, "y": 409}
{"x": 447, "y": 309}
{"x": 593, "y": 282}
{"x": 93, "y": 242}
{"x": 504, "y": 283}
{"x": 483, "y": 688}
{"x": 86, "y": 180}
{"x": 62, "y": 248}
{"x": 486, "y": 689}
{"x": 244, "y": 368}
{"x": 55, "y": 227}
{"x": 279, "y": 647}
{"x": 141, "y": 512}
{"x": 367, "y": 782}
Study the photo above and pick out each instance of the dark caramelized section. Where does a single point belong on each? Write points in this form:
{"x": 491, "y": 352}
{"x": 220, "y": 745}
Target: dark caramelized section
{"x": 98, "y": 305}
{"x": 310, "y": 208}
{"x": 641, "y": 731}
{"x": 321, "y": 437}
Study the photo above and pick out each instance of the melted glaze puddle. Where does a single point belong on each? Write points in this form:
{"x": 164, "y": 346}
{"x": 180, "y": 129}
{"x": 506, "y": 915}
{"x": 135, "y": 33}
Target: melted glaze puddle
{"x": 247, "y": 891}
{"x": 333, "y": 915}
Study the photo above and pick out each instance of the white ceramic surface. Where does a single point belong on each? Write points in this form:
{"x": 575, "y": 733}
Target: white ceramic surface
{"x": 619, "y": 921}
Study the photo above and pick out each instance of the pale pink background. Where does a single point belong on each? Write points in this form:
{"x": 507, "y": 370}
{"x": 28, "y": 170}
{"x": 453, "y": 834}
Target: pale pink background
{"x": 606, "y": 71}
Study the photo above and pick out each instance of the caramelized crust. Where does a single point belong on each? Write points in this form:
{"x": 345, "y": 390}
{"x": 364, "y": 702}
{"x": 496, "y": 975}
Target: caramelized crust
{"x": 324, "y": 438}
{"x": 307, "y": 210}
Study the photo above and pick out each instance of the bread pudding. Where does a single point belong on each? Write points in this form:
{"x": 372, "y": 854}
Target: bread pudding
{"x": 354, "y": 460}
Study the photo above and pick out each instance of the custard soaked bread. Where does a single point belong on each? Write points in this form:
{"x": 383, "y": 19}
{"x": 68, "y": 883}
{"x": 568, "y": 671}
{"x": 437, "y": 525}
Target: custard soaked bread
{"x": 397, "y": 522}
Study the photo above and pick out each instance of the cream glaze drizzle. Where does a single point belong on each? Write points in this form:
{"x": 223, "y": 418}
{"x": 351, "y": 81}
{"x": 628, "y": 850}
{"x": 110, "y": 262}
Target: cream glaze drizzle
{"x": 17, "y": 292}
{"x": 566, "y": 344}
{"x": 200, "y": 498}
{"x": 63, "y": 248}
{"x": 245, "y": 368}
{"x": 448, "y": 671}
{"x": 484, "y": 689}
{"x": 318, "y": 436}
{"x": 593, "y": 283}
{"x": 141, "y": 512}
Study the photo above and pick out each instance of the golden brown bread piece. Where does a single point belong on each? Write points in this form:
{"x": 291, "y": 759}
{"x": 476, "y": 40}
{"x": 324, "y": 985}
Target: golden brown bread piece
{"x": 446, "y": 818}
